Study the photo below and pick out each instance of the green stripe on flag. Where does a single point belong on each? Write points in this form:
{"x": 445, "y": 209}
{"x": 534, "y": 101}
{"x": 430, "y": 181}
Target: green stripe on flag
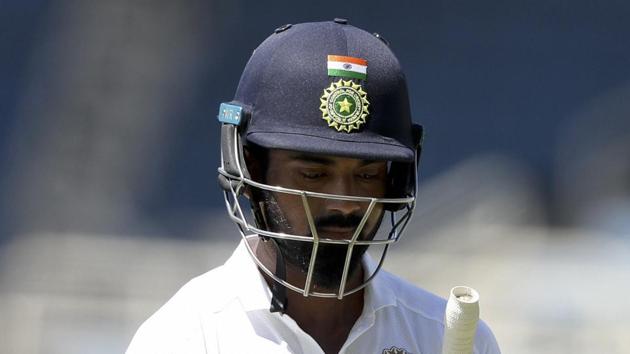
{"x": 346, "y": 73}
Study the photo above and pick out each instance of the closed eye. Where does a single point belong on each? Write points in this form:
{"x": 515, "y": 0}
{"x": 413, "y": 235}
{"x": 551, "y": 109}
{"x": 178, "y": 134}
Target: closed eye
{"x": 312, "y": 175}
{"x": 368, "y": 175}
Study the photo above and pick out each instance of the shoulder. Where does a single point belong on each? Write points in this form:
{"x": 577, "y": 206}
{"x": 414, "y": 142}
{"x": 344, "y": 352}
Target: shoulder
{"x": 414, "y": 300}
{"x": 426, "y": 310}
{"x": 180, "y": 324}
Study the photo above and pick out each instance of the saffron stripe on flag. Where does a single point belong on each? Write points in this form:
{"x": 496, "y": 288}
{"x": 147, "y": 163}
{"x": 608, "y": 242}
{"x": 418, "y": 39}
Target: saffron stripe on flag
{"x": 352, "y": 60}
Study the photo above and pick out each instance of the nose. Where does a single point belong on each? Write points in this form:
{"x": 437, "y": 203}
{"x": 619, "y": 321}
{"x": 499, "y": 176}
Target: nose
{"x": 344, "y": 207}
{"x": 343, "y": 186}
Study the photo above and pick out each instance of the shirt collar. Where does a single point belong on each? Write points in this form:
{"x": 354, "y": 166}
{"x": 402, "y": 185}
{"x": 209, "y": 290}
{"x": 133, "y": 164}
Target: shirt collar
{"x": 251, "y": 288}
{"x": 378, "y": 292}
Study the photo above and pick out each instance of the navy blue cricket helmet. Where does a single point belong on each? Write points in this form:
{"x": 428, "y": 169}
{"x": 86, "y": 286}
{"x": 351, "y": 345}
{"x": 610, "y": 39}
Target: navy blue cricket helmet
{"x": 284, "y": 81}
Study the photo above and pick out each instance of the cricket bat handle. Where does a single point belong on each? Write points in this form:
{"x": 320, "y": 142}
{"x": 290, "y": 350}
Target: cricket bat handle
{"x": 460, "y": 321}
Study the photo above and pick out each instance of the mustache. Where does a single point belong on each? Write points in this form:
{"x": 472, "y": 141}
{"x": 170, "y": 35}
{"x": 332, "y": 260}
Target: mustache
{"x": 338, "y": 220}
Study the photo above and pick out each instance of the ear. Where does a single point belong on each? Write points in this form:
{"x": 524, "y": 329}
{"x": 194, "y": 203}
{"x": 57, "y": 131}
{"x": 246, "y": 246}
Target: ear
{"x": 256, "y": 169}
{"x": 254, "y": 165}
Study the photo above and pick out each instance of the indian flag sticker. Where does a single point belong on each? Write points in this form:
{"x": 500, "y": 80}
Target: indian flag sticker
{"x": 349, "y": 67}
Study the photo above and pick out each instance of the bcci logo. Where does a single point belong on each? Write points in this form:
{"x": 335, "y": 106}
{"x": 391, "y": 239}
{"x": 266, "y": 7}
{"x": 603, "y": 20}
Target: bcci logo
{"x": 394, "y": 350}
{"x": 344, "y": 105}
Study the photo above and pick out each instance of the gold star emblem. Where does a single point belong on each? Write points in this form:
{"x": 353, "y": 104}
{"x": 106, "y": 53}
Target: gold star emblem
{"x": 344, "y": 106}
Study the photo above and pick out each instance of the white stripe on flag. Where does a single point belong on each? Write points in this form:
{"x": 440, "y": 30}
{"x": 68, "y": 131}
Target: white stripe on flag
{"x": 339, "y": 65}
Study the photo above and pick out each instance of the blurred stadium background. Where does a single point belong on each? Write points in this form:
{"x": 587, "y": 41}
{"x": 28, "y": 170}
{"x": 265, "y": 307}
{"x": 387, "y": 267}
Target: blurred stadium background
{"x": 109, "y": 147}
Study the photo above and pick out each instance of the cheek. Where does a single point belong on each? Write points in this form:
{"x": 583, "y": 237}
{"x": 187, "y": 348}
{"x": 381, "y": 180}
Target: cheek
{"x": 293, "y": 210}
{"x": 375, "y": 218}
{"x": 379, "y": 189}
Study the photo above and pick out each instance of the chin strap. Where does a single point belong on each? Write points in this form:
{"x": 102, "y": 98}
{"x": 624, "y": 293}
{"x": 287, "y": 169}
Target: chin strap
{"x": 279, "y": 300}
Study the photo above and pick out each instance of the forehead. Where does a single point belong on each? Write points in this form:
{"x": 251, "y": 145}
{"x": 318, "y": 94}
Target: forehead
{"x": 286, "y": 156}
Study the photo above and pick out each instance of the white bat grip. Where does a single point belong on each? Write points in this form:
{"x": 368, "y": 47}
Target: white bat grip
{"x": 460, "y": 321}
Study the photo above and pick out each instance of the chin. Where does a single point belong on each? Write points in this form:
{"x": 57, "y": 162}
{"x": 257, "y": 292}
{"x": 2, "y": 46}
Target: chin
{"x": 328, "y": 265}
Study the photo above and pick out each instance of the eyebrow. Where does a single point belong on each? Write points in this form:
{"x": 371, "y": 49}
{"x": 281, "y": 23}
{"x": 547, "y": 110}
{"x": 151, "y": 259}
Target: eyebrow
{"x": 323, "y": 160}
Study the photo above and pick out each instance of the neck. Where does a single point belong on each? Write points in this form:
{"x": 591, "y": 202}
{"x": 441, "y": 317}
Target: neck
{"x": 327, "y": 320}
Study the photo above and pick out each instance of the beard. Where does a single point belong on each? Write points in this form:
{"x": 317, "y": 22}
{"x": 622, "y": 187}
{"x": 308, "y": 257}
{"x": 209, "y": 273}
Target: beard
{"x": 330, "y": 258}
{"x": 329, "y": 264}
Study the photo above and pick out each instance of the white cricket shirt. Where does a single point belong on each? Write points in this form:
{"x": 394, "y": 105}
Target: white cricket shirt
{"x": 226, "y": 310}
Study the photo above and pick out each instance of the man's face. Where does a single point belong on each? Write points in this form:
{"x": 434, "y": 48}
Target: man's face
{"x": 334, "y": 219}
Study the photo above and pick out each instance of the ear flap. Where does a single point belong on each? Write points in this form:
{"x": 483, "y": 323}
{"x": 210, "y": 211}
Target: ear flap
{"x": 402, "y": 175}
{"x": 417, "y": 132}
